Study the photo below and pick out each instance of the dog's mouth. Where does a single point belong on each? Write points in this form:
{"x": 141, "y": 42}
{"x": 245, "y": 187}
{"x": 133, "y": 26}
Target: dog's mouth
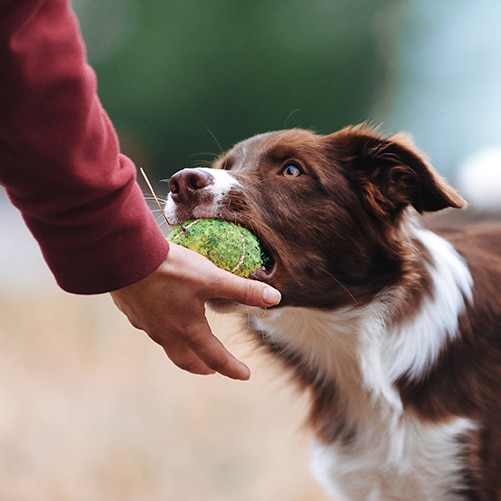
{"x": 269, "y": 258}
{"x": 269, "y": 264}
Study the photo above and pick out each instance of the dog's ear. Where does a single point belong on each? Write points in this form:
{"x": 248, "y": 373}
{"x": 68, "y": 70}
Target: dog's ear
{"x": 391, "y": 172}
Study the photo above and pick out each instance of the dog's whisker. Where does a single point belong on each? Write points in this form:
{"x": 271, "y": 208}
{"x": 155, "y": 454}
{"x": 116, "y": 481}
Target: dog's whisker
{"x": 215, "y": 138}
{"x": 352, "y": 297}
{"x": 152, "y": 199}
{"x": 201, "y": 163}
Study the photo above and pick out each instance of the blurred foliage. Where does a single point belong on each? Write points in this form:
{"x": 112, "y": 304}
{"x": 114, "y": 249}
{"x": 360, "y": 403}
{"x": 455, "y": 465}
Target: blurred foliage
{"x": 182, "y": 78}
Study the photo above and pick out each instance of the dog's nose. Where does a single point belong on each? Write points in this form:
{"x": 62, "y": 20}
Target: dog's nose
{"x": 185, "y": 183}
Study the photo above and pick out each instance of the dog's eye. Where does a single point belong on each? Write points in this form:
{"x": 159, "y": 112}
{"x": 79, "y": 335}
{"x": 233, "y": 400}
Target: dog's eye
{"x": 291, "y": 170}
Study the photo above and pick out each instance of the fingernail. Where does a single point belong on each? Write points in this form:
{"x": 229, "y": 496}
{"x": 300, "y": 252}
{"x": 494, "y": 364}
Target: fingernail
{"x": 271, "y": 296}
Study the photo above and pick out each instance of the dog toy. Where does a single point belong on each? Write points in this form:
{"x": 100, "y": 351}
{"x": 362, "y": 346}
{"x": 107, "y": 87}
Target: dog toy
{"x": 229, "y": 246}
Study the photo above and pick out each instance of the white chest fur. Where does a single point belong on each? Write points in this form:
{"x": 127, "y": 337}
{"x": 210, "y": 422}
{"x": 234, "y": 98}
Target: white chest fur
{"x": 392, "y": 455}
{"x": 411, "y": 461}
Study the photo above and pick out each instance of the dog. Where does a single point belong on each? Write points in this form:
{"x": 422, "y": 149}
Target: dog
{"x": 393, "y": 327}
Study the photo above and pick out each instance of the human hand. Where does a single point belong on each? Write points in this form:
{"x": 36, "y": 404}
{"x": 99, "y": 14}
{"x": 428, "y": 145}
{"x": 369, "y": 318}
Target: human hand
{"x": 169, "y": 305}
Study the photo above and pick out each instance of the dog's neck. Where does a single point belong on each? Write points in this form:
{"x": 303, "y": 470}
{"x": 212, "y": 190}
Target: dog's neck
{"x": 351, "y": 358}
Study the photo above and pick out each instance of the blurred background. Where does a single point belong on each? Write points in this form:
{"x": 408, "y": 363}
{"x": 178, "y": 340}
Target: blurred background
{"x": 89, "y": 407}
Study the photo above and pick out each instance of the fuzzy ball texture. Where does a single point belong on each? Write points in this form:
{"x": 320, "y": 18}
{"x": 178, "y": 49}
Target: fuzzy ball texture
{"x": 229, "y": 246}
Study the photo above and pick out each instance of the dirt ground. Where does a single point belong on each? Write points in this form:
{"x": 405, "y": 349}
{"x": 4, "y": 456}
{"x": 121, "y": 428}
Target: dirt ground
{"x": 91, "y": 409}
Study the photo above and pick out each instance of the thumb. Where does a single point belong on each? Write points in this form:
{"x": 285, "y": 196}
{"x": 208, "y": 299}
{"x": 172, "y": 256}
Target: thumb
{"x": 246, "y": 291}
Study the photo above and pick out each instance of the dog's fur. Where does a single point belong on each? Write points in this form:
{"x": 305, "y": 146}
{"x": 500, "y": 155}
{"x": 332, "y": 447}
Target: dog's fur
{"x": 394, "y": 330}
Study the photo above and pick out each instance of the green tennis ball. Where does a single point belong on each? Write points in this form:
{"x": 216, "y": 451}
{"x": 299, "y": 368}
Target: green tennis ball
{"x": 229, "y": 246}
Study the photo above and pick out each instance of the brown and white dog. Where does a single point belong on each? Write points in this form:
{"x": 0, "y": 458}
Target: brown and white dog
{"x": 395, "y": 330}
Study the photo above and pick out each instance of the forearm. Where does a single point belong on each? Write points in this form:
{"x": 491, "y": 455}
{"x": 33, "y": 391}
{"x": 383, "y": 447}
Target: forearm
{"x": 59, "y": 155}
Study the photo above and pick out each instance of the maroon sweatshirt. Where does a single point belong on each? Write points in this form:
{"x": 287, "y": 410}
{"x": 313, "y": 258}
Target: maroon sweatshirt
{"x": 59, "y": 155}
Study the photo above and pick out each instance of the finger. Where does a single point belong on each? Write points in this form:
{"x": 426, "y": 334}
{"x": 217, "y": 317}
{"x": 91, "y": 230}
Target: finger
{"x": 198, "y": 351}
{"x": 245, "y": 291}
{"x": 177, "y": 350}
{"x": 186, "y": 360}
{"x": 212, "y": 352}
{"x": 222, "y": 284}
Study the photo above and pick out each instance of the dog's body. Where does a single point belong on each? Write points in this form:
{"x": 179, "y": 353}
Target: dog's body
{"x": 395, "y": 330}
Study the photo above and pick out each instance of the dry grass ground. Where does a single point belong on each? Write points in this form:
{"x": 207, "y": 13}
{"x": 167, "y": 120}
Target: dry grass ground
{"x": 91, "y": 409}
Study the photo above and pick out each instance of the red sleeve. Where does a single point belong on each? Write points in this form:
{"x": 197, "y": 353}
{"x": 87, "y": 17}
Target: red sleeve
{"x": 59, "y": 155}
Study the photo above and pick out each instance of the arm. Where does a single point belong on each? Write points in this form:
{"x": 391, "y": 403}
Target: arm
{"x": 61, "y": 166}
{"x": 60, "y": 159}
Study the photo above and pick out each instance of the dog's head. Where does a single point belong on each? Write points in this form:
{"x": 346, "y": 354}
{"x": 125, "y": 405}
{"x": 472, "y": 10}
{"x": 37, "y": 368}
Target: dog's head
{"x": 329, "y": 210}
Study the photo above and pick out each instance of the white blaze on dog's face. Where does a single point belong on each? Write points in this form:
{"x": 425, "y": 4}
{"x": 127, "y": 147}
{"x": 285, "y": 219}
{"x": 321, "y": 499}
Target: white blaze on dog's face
{"x": 328, "y": 209}
{"x": 197, "y": 193}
